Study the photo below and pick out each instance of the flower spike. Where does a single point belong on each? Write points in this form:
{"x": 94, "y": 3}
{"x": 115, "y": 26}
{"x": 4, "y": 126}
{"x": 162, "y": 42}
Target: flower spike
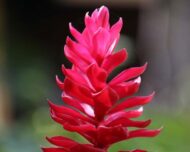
{"x": 102, "y": 112}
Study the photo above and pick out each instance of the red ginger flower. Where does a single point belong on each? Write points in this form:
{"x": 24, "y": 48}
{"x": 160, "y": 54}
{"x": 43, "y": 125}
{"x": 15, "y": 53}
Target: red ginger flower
{"x": 93, "y": 110}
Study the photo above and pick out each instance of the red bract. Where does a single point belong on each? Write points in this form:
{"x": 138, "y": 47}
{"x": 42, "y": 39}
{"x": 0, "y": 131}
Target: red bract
{"x": 93, "y": 110}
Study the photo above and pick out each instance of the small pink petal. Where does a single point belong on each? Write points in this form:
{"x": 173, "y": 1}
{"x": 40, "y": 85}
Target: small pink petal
{"x": 77, "y": 35}
{"x": 110, "y": 135}
{"x": 113, "y": 60}
{"x": 67, "y": 111}
{"x": 128, "y": 74}
{"x": 60, "y": 84}
{"x": 81, "y": 93}
{"x": 87, "y": 130}
{"x": 103, "y": 101}
{"x": 103, "y": 17}
{"x": 132, "y": 102}
{"x": 125, "y": 114}
{"x": 100, "y": 44}
{"x": 97, "y": 76}
{"x": 75, "y": 76}
{"x": 144, "y": 133}
{"x": 128, "y": 88}
{"x": 90, "y": 23}
{"x": 73, "y": 58}
{"x": 79, "y": 50}
{"x": 85, "y": 108}
{"x": 116, "y": 28}
{"x": 62, "y": 141}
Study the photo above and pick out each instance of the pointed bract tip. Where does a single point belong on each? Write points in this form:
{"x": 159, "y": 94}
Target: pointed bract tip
{"x": 138, "y": 80}
{"x": 161, "y": 128}
{"x": 103, "y": 8}
{"x": 87, "y": 15}
{"x": 68, "y": 39}
{"x": 144, "y": 67}
{"x": 124, "y": 49}
{"x": 47, "y": 138}
{"x": 63, "y": 68}
{"x": 49, "y": 102}
{"x": 158, "y": 130}
{"x": 153, "y": 93}
{"x": 124, "y": 53}
{"x": 117, "y": 26}
{"x": 70, "y": 26}
{"x": 148, "y": 122}
{"x": 43, "y": 149}
{"x": 57, "y": 79}
{"x": 60, "y": 84}
{"x": 146, "y": 64}
{"x": 120, "y": 20}
{"x": 140, "y": 109}
{"x": 47, "y": 99}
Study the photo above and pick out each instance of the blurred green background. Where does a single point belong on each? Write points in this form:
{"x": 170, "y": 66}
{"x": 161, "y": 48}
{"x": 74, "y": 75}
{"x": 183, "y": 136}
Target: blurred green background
{"x": 32, "y": 36}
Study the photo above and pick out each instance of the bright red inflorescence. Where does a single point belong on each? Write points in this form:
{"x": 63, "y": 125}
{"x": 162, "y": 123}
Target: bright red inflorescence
{"x": 93, "y": 109}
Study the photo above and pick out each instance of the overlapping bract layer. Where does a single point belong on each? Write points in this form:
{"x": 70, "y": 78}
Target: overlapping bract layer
{"x": 93, "y": 109}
